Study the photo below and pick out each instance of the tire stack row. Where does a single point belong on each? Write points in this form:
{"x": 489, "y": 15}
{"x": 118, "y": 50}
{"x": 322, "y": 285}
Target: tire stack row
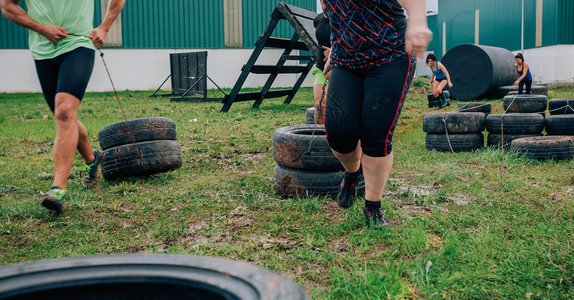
{"x": 558, "y": 144}
{"x": 139, "y": 147}
{"x": 305, "y": 164}
{"x": 454, "y": 132}
{"x": 434, "y": 102}
{"x": 523, "y": 117}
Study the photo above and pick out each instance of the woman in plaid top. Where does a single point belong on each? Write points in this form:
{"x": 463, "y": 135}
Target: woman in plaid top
{"x": 370, "y": 70}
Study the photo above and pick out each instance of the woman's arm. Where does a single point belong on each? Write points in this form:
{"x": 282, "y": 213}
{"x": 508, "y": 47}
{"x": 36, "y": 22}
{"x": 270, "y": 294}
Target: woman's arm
{"x": 98, "y": 35}
{"x": 443, "y": 68}
{"x": 18, "y": 16}
{"x": 417, "y": 35}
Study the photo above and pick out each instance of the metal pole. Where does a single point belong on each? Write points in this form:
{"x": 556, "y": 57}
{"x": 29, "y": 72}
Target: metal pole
{"x": 522, "y": 31}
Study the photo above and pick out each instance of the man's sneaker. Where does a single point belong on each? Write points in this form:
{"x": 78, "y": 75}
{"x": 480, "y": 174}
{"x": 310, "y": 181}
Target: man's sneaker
{"x": 91, "y": 170}
{"x": 55, "y": 199}
{"x": 348, "y": 189}
{"x": 375, "y": 217}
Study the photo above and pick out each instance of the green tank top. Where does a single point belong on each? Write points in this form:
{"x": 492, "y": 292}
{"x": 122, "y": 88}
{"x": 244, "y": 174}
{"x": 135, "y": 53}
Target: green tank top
{"x": 75, "y": 16}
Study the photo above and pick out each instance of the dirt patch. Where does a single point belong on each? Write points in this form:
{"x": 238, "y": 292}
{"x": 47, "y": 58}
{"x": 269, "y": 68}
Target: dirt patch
{"x": 333, "y": 212}
{"x": 338, "y": 245}
{"x": 419, "y": 211}
{"x": 288, "y": 154}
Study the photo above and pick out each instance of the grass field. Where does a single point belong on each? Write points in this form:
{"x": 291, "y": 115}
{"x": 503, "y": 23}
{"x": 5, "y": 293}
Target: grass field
{"x": 486, "y": 224}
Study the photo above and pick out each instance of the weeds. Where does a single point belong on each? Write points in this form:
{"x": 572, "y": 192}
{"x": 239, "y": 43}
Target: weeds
{"x": 487, "y": 224}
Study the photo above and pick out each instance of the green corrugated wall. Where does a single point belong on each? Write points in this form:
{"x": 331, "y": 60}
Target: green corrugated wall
{"x": 500, "y": 23}
{"x": 175, "y": 24}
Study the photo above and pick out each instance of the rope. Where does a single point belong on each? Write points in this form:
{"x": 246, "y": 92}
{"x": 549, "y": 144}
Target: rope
{"x": 323, "y": 94}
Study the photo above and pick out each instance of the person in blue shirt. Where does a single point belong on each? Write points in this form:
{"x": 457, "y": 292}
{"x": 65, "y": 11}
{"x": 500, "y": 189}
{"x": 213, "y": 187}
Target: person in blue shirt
{"x": 440, "y": 78}
{"x": 523, "y": 77}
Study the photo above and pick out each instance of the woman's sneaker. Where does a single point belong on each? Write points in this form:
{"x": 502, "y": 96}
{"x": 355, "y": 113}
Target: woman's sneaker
{"x": 91, "y": 170}
{"x": 348, "y": 189}
{"x": 55, "y": 199}
{"x": 375, "y": 217}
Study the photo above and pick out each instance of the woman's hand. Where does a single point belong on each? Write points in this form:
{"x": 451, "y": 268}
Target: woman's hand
{"x": 516, "y": 82}
{"x": 449, "y": 84}
{"x": 417, "y": 37}
{"x": 326, "y": 53}
{"x": 327, "y": 69}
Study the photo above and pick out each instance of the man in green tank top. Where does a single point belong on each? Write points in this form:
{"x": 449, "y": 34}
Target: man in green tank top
{"x": 63, "y": 43}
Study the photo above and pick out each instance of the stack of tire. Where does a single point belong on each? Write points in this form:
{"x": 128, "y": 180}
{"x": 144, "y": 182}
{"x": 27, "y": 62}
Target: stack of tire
{"x": 558, "y": 144}
{"x": 561, "y": 118}
{"x": 537, "y": 89}
{"x": 305, "y": 164}
{"x": 139, "y": 147}
{"x": 434, "y": 102}
{"x": 485, "y": 108}
{"x": 523, "y": 117}
{"x": 454, "y": 132}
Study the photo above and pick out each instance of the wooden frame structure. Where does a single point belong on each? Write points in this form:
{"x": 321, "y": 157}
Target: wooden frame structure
{"x": 303, "y": 39}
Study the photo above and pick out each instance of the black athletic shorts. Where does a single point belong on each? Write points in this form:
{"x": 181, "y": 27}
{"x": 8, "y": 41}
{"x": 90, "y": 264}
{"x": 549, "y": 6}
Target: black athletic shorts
{"x": 365, "y": 105}
{"x": 66, "y": 73}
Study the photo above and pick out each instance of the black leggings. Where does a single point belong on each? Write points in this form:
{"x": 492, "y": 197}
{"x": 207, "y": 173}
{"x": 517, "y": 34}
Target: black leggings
{"x": 521, "y": 86}
{"x": 365, "y": 105}
{"x": 67, "y": 73}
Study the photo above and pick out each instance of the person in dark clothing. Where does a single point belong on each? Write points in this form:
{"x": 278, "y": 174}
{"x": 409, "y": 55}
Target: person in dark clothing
{"x": 370, "y": 69}
{"x": 523, "y": 77}
{"x": 320, "y": 84}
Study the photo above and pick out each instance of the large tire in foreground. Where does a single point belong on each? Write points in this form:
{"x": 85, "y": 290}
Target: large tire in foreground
{"x": 503, "y": 141}
{"x": 559, "y": 125}
{"x": 545, "y": 147}
{"x": 141, "y": 159}
{"x": 144, "y": 276}
{"x": 525, "y": 103}
{"x": 453, "y": 122}
{"x": 561, "y": 106}
{"x": 304, "y": 147}
{"x": 458, "y": 142}
{"x": 516, "y": 123}
{"x": 303, "y": 183}
{"x": 136, "y": 131}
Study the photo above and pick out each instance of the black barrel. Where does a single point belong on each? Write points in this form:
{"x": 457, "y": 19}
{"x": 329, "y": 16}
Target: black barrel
{"x": 477, "y": 71}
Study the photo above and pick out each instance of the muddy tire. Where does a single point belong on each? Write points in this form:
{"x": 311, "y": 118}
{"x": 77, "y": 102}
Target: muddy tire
{"x": 482, "y": 107}
{"x": 527, "y": 123}
{"x": 545, "y": 147}
{"x": 500, "y": 141}
{"x": 559, "y": 125}
{"x": 561, "y": 106}
{"x": 304, "y": 147}
{"x": 141, "y": 159}
{"x": 453, "y": 122}
{"x": 525, "y": 103}
{"x": 136, "y": 131}
{"x": 303, "y": 183}
{"x": 459, "y": 142}
{"x": 538, "y": 89}
{"x": 310, "y": 115}
{"x": 144, "y": 276}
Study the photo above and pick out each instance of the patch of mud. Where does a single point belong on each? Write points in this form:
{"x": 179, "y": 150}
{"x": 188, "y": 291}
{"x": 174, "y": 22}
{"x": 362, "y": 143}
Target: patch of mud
{"x": 289, "y": 186}
{"x": 288, "y": 154}
{"x": 332, "y": 210}
{"x": 338, "y": 245}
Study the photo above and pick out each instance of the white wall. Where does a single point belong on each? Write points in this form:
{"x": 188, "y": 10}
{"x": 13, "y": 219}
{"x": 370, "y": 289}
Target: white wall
{"x": 147, "y": 69}
{"x": 144, "y": 69}
{"x": 553, "y": 64}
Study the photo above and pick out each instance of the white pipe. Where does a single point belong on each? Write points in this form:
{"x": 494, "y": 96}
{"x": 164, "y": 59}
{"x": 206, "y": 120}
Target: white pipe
{"x": 522, "y": 31}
